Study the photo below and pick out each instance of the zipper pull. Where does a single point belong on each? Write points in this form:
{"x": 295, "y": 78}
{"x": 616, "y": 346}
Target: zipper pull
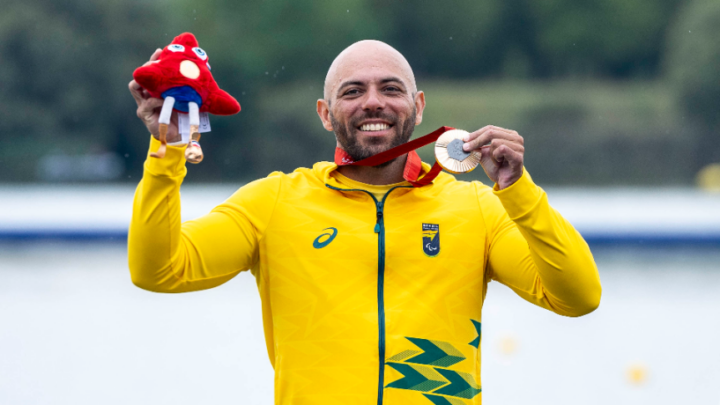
{"x": 379, "y": 218}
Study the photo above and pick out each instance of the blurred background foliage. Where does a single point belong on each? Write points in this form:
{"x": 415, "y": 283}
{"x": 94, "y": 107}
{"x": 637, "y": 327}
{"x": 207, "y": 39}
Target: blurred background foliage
{"x": 604, "y": 91}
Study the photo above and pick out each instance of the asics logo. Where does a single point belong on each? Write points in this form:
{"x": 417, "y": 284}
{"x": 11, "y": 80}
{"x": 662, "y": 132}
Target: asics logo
{"x": 325, "y": 238}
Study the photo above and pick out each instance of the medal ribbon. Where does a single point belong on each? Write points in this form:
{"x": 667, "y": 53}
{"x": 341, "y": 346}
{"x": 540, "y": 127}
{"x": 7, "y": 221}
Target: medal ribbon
{"x": 413, "y": 165}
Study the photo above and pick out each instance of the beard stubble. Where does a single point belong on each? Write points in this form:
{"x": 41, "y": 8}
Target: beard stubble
{"x": 347, "y": 136}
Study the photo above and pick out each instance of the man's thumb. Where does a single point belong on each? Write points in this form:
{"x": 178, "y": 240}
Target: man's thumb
{"x": 153, "y": 103}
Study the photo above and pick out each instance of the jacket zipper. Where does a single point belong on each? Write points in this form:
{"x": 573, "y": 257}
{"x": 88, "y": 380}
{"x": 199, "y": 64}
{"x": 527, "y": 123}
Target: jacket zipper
{"x": 380, "y": 230}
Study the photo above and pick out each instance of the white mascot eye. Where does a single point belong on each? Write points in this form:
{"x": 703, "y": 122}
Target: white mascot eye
{"x": 200, "y": 53}
{"x": 176, "y": 48}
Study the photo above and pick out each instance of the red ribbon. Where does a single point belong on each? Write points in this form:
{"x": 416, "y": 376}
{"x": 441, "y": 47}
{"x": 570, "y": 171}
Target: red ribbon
{"x": 413, "y": 165}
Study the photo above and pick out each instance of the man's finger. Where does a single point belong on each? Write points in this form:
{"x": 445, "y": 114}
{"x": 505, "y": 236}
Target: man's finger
{"x": 506, "y": 154}
{"x": 487, "y": 131}
{"x": 484, "y": 130}
{"x": 486, "y": 159}
{"x": 153, "y": 103}
{"x": 498, "y": 142}
{"x": 479, "y": 132}
{"x": 156, "y": 55}
{"x": 136, "y": 91}
{"x": 147, "y": 108}
{"x": 486, "y": 135}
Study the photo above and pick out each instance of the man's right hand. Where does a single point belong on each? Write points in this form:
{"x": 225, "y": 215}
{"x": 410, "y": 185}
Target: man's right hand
{"x": 149, "y": 107}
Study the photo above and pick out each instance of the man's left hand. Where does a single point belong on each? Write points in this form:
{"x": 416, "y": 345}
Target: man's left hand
{"x": 501, "y": 153}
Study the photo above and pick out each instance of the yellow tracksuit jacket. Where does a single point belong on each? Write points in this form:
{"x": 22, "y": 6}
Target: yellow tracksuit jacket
{"x": 365, "y": 301}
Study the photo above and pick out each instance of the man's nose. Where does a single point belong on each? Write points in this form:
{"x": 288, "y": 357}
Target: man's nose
{"x": 373, "y": 100}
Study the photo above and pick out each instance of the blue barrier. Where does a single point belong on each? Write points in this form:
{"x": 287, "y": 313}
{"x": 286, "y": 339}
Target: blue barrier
{"x": 593, "y": 239}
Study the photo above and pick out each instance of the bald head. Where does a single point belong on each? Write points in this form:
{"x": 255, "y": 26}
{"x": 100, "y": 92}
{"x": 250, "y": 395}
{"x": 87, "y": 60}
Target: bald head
{"x": 368, "y": 54}
{"x": 371, "y": 101}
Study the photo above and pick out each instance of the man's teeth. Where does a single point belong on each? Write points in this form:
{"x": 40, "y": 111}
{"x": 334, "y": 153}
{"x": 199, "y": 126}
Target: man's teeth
{"x": 374, "y": 127}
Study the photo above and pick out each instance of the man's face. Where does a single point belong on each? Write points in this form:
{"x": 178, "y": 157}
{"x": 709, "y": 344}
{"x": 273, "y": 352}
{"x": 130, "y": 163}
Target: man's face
{"x": 364, "y": 135}
{"x": 371, "y": 105}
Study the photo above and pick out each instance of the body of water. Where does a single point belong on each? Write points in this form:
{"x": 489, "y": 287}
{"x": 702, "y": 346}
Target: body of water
{"x": 74, "y": 330}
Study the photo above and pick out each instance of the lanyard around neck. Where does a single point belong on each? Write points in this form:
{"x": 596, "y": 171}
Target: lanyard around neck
{"x": 413, "y": 165}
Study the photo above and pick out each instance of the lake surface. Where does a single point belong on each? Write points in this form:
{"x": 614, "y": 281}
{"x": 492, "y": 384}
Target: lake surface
{"x": 74, "y": 330}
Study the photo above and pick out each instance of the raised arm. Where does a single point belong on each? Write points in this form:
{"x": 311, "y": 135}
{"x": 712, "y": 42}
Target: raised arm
{"x": 536, "y": 252}
{"x": 533, "y": 249}
{"x": 166, "y": 255}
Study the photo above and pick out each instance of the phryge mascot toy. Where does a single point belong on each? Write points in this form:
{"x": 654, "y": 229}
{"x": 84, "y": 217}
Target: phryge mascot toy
{"x": 181, "y": 76}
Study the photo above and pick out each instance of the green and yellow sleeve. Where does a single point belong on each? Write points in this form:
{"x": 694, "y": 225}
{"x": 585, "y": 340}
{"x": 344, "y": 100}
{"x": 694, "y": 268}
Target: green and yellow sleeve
{"x": 166, "y": 255}
{"x": 537, "y": 253}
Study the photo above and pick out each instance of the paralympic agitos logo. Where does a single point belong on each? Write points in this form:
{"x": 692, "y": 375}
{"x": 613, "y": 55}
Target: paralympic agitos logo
{"x": 325, "y": 238}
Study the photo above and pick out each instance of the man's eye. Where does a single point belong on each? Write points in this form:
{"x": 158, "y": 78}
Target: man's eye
{"x": 392, "y": 89}
{"x": 351, "y": 92}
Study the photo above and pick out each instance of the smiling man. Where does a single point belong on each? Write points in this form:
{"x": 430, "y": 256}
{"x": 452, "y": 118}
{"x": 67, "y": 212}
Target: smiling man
{"x": 369, "y": 122}
{"x": 372, "y": 288}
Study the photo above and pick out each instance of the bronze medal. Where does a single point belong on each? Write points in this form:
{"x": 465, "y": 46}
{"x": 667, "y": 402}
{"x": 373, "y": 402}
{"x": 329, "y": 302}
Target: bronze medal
{"x": 450, "y": 155}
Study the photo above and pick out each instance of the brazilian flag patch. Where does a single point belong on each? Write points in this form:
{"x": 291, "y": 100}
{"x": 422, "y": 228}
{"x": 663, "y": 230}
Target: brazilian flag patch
{"x": 431, "y": 239}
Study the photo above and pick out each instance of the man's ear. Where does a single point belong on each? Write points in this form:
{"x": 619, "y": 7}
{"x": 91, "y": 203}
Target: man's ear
{"x": 323, "y": 111}
{"x": 419, "y": 107}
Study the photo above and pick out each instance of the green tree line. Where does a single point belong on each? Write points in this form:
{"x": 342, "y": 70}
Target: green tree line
{"x": 65, "y": 66}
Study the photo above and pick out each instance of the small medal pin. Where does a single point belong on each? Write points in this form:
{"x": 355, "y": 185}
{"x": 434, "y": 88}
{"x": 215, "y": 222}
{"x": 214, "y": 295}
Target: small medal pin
{"x": 450, "y": 155}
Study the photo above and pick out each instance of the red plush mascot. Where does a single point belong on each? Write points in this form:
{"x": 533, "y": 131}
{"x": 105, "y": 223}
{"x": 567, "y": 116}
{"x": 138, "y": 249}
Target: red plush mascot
{"x": 182, "y": 77}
